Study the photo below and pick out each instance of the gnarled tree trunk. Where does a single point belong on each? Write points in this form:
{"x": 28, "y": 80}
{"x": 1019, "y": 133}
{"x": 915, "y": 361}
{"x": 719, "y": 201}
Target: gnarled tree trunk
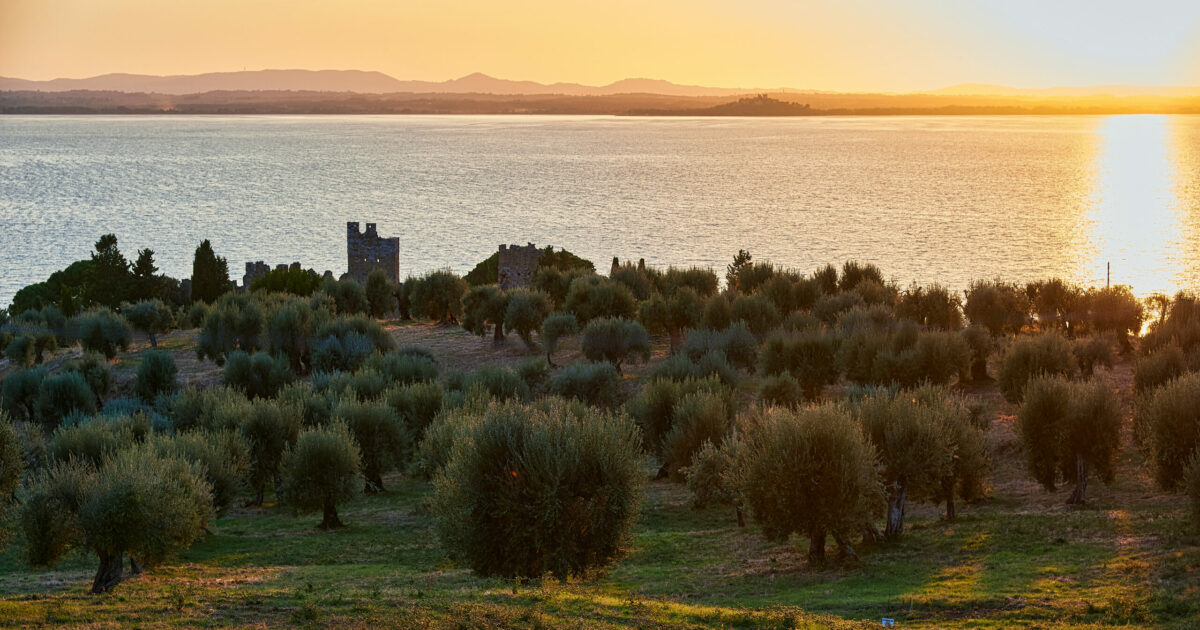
{"x": 331, "y": 520}
{"x": 895, "y": 512}
{"x": 948, "y": 496}
{"x": 1079, "y": 494}
{"x": 109, "y": 573}
{"x": 816, "y": 548}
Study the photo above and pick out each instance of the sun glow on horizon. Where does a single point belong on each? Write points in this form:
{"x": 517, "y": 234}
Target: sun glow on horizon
{"x": 855, "y": 45}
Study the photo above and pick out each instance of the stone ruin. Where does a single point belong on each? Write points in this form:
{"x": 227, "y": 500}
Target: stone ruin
{"x": 367, "y": 251}
{"x": 258, "y": 269}
{"x": 516, "y": 266}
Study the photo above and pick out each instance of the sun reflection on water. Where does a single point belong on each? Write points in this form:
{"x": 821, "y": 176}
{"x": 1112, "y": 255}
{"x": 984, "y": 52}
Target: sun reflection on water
{"x": 1134, "y": 215}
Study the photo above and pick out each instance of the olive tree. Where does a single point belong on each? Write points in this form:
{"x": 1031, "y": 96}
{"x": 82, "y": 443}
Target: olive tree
{"x": 549, "y": 488}
{"x": 484, "y": 306}
{"x": 526, "y": 312}
{"x": 381, "y": 435}
{"x": 320, "y": 471}
{"x": 1070, "y": 431}
{"x": 156, "y": 375}
{"x": 438, "y": 296}
{"x": 810, "y": 472}
{"x": 672, "y": 315}
{"x": 151, "y": 317}
{"x": 137, "y": 504}
{"x": 102, "y": 331}
{"x": 1032, "y": 356}
{"x": 615, "y": 340}
{"x": 554, "y": 328}
{"x": 380, "y": 293}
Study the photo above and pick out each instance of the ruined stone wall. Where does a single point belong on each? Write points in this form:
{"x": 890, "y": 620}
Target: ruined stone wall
{"x": 516, "y": 266}
{"x": 366, "y": 251}
{"x": 254, "y": 271}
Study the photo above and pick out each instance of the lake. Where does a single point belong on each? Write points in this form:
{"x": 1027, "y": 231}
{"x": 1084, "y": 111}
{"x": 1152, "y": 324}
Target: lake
{"x": 929, "y": 199}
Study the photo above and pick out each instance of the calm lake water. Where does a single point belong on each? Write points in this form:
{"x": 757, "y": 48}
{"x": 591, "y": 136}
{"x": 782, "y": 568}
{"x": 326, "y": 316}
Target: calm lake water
{"x": 930, "y": 199}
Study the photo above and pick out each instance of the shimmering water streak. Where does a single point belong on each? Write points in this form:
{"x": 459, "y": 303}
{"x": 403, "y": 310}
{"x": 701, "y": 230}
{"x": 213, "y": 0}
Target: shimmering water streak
{"x": 931, "y": 199}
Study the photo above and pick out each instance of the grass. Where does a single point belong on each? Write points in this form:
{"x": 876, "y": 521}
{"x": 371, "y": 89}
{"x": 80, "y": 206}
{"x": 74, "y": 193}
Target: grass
{"x": 1021, "y": 558}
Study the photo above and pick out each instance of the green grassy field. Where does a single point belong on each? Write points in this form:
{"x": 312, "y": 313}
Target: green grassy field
{"x": 1018, "y": 559}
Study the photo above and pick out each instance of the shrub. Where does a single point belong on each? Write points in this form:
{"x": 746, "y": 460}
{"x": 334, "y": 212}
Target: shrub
{"x": 268, "y": 429}
{"x": 934, "y": 306}
{"x": 196, "y": 314}
{"x": 829, "y": 308}
{"x": 1171, "y": 417}
{"x": 257, "y": 376}
{"x": 345, "y": 343}
{"x": 855, "y": 273}
{"x": 1191, "y": 482}
{"x": 717, "y": 314}
{"x": 137, "y": 504}
{"x": 151, "y": 317}
{"x": 615, "y": 340}
{"x": 736, "y": 341}
{"x": 593, "y": 297}
{"x": 438, "y": 296}
{"x": 540, "y": 490}
{"x": 416, "y": 404}
{"x": 236, "y": 322}
{"x": 781, "y": 390}
{"x": 673, "y": 314}
{"x": 535, "y": 371}
{"x": 12, "y": 469}
{"x": 382, "y": 437}
{"x": 810, "y": 472}
{"x": 94, "y": 369}
{"x": 1159, "y": 367}
{"x": 713, "y": 476}
{"x": 525, "y": 313}
{"x": 499, "y": 382}
{"x": 215, "y": 409}
{"x": 681, "y": 367}
{"x": 998, "y": 306}
{"x": 1091, "y": 352}
{"x": 483, "y": 308}
{"x": 1043, "y": 354}
{"x": 555, "y": 327}
{"x": 95, "y": 440}
{"x": 451, "y": 426}
{"x": 379, "y": 291}
{"x": 596, "y": 384}
{"x": 320, "y": 471}
{"x": 102, "y": 331}
{"x": 808, "y": 356}
{"x": 156, "y": 375}
{"x": 979, "y": 340}
{"x": 758, "y": 313}
{"x": 702, "y": 281}
{"x": 20, "y": 352}
{"x": 289, "y": 327}
{"x": 1069, "y": 431}
{"x": 222, "y": 458}
{"x": 404, "y": 368}
{"x": 697, "y": 418}
{"x": 62, "y": 395}
{"x": 636, "y": 281}
{"x": 557, "y": 283}
{"x": 19, "y": 393}
{"x": 348, "y": 295}
{"x": 654, "y": 407}
{"x": 1115, "y": 311}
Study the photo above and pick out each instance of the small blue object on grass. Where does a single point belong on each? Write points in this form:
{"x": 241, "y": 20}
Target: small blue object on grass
{"x": 889, "y": 623}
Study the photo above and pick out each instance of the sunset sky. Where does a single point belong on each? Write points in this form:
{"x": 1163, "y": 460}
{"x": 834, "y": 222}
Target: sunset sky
{"x": 835, "y": 45}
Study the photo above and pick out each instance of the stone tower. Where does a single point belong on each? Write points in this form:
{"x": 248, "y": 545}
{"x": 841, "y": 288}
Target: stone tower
{"x": 367, "y": 251}
{"x": 516, "y": 266}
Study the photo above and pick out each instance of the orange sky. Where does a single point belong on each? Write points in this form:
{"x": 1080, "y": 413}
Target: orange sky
{"x": 846, "y": 45}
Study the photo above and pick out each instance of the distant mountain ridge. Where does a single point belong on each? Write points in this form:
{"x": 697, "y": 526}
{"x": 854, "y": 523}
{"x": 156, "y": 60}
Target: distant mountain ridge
{"x": 358, "y": 81}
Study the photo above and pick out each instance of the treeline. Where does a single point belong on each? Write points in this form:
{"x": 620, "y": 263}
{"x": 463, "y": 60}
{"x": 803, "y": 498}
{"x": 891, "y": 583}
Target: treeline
{"x": 82, "y": 102}
{"x": 536, "y": 469}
